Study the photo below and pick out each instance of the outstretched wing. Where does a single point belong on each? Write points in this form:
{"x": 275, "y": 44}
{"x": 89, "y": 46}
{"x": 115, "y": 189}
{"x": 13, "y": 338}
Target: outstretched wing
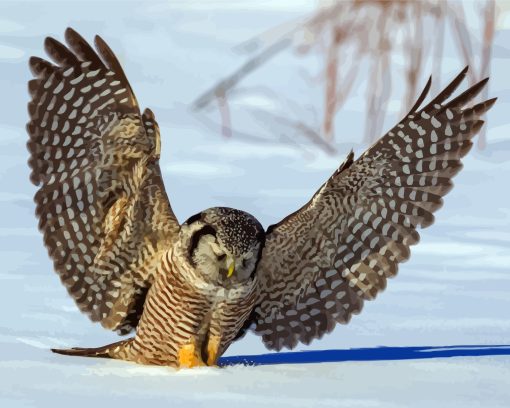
{"x": 101, "y": 202}
{"x": 321, "y": 262}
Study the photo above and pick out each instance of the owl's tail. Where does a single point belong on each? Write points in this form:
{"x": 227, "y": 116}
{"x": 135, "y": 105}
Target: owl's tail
{"x": 114, "y": 350}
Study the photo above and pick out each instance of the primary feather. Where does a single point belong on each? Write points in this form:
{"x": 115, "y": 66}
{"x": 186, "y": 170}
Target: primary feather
{"x": 101, "y": 202}
{"x": 322, "y": 262}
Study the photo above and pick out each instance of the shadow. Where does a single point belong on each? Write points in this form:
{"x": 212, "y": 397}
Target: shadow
{"x": 367, "y": 354}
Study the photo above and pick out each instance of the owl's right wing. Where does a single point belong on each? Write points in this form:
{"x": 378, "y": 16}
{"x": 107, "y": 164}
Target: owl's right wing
{"x": 320, "y": 263}
{"x": 101, "y": 202}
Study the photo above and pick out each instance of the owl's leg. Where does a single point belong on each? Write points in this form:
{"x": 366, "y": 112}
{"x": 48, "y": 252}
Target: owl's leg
{"x": 213, "y": 348}
{"x": 116, "y": 350}
{"x": 189, "y": 356}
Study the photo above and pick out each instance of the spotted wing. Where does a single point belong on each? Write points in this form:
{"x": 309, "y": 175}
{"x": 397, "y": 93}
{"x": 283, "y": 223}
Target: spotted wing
{"x": 321, "y": 262}
{"x": 101, "y": 202}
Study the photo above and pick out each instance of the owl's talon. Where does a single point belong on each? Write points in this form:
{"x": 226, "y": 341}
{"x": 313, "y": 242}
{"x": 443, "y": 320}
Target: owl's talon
{"x": 189, "y": 358}
{"x": 213, "y": 347}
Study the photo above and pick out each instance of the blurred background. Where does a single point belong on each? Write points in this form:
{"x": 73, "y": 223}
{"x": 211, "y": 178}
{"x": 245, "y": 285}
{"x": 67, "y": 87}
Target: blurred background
{"x": 258, "y": 104}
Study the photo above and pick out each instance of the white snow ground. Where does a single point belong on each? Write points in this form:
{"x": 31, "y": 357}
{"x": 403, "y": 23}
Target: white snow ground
{"x": 454, "y": 290}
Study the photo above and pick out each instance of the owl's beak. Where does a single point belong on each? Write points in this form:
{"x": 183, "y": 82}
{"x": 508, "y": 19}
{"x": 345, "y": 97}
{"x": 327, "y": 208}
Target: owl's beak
{"x": 231, "y": 268}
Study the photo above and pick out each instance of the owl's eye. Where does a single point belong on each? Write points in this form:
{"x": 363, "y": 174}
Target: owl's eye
{"x": 221, "y": 257}
{"x": 245, "y": 263}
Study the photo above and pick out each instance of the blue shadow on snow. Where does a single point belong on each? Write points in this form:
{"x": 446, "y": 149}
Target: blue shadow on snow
{"x": 367, "y": 354}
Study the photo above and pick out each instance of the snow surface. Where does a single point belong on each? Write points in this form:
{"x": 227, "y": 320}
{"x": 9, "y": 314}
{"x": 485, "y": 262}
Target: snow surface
{"x": 454, "y": 290}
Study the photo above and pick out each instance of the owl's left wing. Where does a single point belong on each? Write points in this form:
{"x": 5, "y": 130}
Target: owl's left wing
{"x": 321, "y": 262}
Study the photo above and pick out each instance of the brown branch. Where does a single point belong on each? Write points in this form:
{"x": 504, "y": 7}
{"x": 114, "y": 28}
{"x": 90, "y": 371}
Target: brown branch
{"x": 463, "y": 38}
{"x": 331, "y": 83}
{"x": 346, "y": 23}
{"x": 488, "y": 37}
{"x": 347, "y": 83}
{"x": 378, "y": 95}
{"x": 232, "y": 80}
{"x": 439, "y": 44}
{"x": 237, "y": 134}
{"x": 307, "y": 131}
{"x": 415, "y": 46}
{"x": 266, "y": 38}
{"x": 223, "y": 107}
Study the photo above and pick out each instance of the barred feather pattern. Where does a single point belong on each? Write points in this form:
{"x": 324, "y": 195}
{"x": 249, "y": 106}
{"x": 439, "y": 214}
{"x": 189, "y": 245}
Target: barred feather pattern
{"x": 322, "y": 262}
{"x": 101, "y": 203}
{"x": 182, "y": 309}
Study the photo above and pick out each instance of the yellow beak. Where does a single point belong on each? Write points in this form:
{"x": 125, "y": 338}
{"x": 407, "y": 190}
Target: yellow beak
{"x": 231, "y": 269}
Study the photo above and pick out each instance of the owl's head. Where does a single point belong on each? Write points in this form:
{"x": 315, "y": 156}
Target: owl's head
{"x": 223, "y": 244}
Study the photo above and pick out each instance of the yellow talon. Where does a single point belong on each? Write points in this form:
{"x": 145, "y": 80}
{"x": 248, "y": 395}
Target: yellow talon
{"x": 213, "y": 348}
{"x": 188, "y": 357}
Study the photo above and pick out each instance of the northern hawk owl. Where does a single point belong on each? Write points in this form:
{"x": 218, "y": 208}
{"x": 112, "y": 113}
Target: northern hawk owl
{"x": 188, "y": 291}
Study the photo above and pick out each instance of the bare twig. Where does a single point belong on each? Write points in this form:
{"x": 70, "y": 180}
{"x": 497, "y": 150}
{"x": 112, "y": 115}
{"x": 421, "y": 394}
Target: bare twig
{"x": 378, "y": 94}
{"x": 439, "y": 43}
{"x": 458, "y": 18}
{"x": 331, "y": 82}
{"x": 346, "y": 28}
{"x": 347, "y": 84}
{"x": 306, "y": 131}
{"x": 275, "y": 34}
{"x": 226, "y": 125}
{"x": 415, "y": 50}
{"x": 488, "y": 37}
{"x": 237, "y": 134}
{"x": 232, "y": 80}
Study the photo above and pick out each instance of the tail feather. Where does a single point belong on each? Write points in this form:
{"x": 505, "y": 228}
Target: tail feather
{"x": 108, "y": 351}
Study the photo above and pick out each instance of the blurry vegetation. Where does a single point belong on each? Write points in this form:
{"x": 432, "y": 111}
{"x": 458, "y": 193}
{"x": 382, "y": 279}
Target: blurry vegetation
{"x": 346, "y": 34}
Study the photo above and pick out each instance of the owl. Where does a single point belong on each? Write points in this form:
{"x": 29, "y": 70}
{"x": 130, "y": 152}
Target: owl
{"x": 188, "y": 291}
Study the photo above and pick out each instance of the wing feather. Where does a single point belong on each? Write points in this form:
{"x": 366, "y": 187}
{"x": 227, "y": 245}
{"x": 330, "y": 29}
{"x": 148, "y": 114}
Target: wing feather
{"x": 321, "y": 262}
{"x": 101, "y": 203}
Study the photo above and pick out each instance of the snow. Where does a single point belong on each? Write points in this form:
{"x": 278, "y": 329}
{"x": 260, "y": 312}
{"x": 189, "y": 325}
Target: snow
{"x": 469, "y": 382}
{"x": 453, "y": 291}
